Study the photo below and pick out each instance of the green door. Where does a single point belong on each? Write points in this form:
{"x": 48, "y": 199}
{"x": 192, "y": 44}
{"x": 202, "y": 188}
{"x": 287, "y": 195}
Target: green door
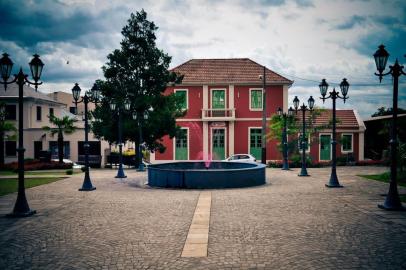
{"x": 325, "y": 147}
{"x": 181, "y": 145}
{"x": 218, "y": 144}
{"x": 218, "y": 102}
{"x": 255, "y": 142}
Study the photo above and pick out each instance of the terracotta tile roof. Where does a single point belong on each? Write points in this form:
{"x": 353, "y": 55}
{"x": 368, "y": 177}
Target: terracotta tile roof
{"x": 347, "y": 118}
{"x": 232, "y": 70}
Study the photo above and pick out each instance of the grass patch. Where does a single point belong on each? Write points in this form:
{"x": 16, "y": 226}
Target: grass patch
{"x": 10, "y": 185}
{"x": 385, "y": 177}
{"x": 402, "y": 198}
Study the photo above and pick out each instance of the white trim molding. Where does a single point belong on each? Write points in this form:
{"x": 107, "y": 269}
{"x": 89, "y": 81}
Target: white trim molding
{"x": 225, "y": 141}
{"x": 205, "y": 96}
{"x": 361, "y": 146}
{"x": 249, "y": 138}
{"x": 225, "y": 96}
{"x": 231, "y": 138}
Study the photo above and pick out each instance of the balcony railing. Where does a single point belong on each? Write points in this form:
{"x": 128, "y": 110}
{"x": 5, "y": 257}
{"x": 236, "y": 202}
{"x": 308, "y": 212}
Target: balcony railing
{"x": 218, "y": 114}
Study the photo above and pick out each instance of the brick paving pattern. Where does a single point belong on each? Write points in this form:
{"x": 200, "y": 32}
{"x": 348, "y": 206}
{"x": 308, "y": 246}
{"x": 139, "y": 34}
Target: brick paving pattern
{"x": 289, "y": 223}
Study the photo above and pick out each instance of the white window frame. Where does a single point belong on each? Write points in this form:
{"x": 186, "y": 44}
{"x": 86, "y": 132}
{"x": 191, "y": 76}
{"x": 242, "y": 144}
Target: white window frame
{"x": 187, "y": 96}
{"x": 352, "y": 143}
{"x": 262, "y": 99}
{"x": 188, "y": 145}
{"x": 331, "y": 147}
{"x": 225, "y": 97}
{"x": 308, "y": 143}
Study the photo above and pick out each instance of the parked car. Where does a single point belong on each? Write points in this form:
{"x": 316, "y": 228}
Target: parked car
{"x": 68, "y": 161}
{"x": 241, "y": 158}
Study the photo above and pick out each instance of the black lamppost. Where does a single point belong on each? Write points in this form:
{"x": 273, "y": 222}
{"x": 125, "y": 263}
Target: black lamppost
{"x": 21, "y": 208}
{"x": 2, "y": 119}
{"x": 303, "y": 141}
{"x": 140, "y": 118}
{"x": 344, "y": 85}
{"x": 392, "y": 201}
{"x": 285, "y": 116}
{"x": 90, "y": 96}
{"x": 118, "y": 108}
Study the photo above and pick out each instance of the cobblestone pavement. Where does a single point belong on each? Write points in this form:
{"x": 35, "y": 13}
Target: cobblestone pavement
{"x": 289, "y": 223}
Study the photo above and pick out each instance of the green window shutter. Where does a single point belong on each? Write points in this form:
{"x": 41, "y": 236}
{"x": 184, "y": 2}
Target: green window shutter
{"x": 183, "y": 95}
{"x": 256, "y": 99}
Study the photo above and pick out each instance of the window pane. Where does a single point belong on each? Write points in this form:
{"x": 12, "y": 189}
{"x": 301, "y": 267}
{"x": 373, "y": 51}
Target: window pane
{"x": 347, "y": 142}
{"x": 11, "y": 112}
{"x": 182, "y": 94}
{"x": 11, "y": 148}
{"x": 39, "y": 113}
{"x": 256, "y": 99}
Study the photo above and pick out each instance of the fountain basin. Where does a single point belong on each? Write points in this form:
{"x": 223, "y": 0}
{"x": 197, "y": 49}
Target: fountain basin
{"x": 200, "y": 174}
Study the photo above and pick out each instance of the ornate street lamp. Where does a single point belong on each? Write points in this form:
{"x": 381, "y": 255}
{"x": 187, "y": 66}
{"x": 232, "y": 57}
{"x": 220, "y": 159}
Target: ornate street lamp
{"x": 140, "y": 118}
{"x": 285, "y": 116}
{"x": 118, "y": 108}
{"x": 344, "y": 85}
{"x": 2, "y": 119}
{"x": 303, "y": 141}
{"x": 90, "y": 96}
{"x": 392, "y": 201}
{"x": 21, "y": 207}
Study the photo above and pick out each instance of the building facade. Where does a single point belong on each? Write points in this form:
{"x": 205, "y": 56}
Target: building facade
{"x": 223, "y": 99}
{"x": 37, "y": 108}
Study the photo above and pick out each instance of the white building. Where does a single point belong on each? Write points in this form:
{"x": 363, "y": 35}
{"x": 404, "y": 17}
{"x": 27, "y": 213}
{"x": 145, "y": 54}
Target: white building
{"x": 37, "y": 108}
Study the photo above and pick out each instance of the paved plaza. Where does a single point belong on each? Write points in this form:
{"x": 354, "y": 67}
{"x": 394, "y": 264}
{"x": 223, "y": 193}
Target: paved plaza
{"x": 289, "y": 223}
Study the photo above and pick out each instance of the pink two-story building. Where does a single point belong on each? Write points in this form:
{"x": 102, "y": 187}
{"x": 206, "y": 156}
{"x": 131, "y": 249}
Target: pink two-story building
{"x": 223, "y": 99}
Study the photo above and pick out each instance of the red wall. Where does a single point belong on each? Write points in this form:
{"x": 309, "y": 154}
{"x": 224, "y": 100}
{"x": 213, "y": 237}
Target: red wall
{"x": 195, "y": 100}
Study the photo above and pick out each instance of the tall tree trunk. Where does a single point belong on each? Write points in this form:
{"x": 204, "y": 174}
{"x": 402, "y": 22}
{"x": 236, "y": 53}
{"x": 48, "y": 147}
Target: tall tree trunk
{"x": 1, "y": 149}
{"x": 60, "y": 146}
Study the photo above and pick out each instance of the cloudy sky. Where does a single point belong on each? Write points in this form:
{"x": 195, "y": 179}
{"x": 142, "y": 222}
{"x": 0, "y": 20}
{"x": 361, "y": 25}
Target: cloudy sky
{"x": 304, "y": 40}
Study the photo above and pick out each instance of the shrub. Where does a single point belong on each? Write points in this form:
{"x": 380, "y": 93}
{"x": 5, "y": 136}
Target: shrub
{"x": 370, "y": 162}
{"x": 69, "y": 172}
{"x": 34, "y": 165}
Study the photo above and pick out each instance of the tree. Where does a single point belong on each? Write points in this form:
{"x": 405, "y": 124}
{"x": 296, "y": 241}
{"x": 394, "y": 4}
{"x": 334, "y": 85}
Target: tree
{"x": 294, "y": 127}
{"x": 7, "y": 132}
{"x": 389, "y": 111}
{"x": 64, "y": 125}
{"x": 138, "y": 72}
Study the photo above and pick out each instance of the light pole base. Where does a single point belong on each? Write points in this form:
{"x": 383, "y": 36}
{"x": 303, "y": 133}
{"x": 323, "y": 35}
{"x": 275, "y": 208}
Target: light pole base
{"x": 120, "y": 172}
{"x": 87, "y": 189}
{"x": 21, "y": 214}
{"x": 286, "y": 169}
{"x": 334, "y": 185}
{"x": 392, "y": 203}
{"x": 303, "y": 172}
{"x": 392, "y": 208}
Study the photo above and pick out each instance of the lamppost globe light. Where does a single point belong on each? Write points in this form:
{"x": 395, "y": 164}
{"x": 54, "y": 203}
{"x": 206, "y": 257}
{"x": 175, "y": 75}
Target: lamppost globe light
{"x": 36, "y": 66}
{"x": 127, "y": 104}
{"x": 296, "y": 102}
{"x": 112, "y": 105}
{"x": 95, "y": 92}
{"x": 146, "y": 116}
{"x": 344, "y": 85}
{"x": 6, "y": 65}
{"x": 279, "y": 111}
{"x": 76, "y": 92}
{"x": 310, "y": 101}
{"x": 323, "y": 87}
{"x": 134, "y": 115}
{"x": 381, "y": 58}
{"x": 290, "y": 111}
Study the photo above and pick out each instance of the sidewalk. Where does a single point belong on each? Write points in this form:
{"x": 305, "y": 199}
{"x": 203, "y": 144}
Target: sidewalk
{"x": 290, "y": 223}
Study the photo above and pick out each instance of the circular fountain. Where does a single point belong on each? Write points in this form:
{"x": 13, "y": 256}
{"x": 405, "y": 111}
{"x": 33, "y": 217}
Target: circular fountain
{"x": 203, "y": 174}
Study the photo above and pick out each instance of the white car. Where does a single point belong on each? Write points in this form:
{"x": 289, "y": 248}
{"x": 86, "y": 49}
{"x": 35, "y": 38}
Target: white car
{"x": 68, "y": 161}
{"x": 241, "y": 158}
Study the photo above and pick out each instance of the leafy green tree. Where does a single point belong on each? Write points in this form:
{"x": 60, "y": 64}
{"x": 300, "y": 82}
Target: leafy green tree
{"x": 64, "y": 125}
{"x": 294, "y": 127}
{"x": 386, "y": 111}
{"x": 138, "y": 72}
{"x": 7, "y": 132}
